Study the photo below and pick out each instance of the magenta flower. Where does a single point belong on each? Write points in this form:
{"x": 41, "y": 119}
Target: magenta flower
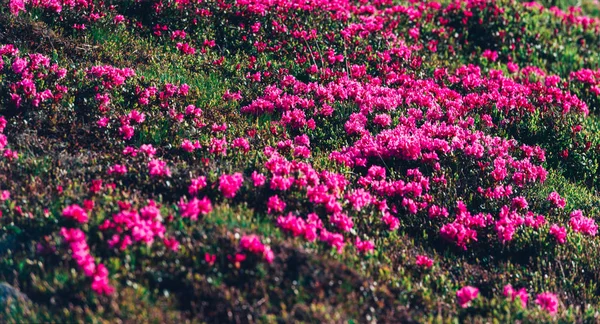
{"x": 230, "y": 184}
{"x": 117, "y": 169}
{"x": 490, "y": 55}
{"x": 185, "y": 48}
{"x": 76, "y": 213}
{"x": 335, "y": 240}
{"x": 258, "y": 179}
{"x": 268, "y": 255}
{"x": 81, "y": 254}
{"x": 102, "y": 122}
{"x": 171, "y": 243}
{"x": 512, "y": 67}
{"x": 275, "y": 204}
{"x": 158, "y": 168}
{"x": 465, "y": 295}
{"x": 559, "y": 233}
{"x": 242, "y": 144}
{"x": 127, "y": 131}
{"x": 582, "y": 224}
{"x": 556, "y": 200}
{"x": 4, "y": 195}
{"x": 188, "y": 146}
{"x": 510, "y": 292}
{"x": 424, "y": 261}
{"x": 195, "y": 207}
{"x": 16, "y": 6}
{"x": 252, "y": 243}
{"x": 293, "y": 224}
{"x": 365, "y": 246}
{"x": 548, "y": 302}
{"x": 197, "y": 185}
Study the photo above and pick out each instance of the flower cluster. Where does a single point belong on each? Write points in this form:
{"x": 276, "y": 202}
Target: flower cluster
{"x": 521, "y": 294}
{"x": 252, "y": 244}
{"x": 81, "y": 253}
{"x": 76, "y": 213}
{"x": 130, "y": 226}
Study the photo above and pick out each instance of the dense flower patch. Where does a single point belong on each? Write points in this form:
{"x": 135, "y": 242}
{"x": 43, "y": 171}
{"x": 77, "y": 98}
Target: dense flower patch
{"x": 270, "y": 154}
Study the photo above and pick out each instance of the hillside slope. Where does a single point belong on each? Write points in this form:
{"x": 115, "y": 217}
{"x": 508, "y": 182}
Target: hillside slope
{"x": 315, "y": 161}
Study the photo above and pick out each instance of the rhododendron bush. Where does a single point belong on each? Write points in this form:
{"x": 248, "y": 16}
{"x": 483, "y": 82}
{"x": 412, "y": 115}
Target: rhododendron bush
{"x": 322, "y": 161}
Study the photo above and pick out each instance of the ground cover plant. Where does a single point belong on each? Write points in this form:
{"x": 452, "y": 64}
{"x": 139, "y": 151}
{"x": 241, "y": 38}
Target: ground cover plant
{"x": 315, "y": 161}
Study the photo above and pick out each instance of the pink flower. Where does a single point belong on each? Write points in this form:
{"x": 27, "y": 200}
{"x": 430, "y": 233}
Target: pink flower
{"x": 275, "y": 204}
{"x": 118, "y": 19}
{"x": 128, "y": 150}
{"x": 252, "y": 243}
{"x": 171, "y": 244}
{"x": 218, "y": 146}
{"x": 459, "y": 233}
{"x": 100, "y": 282}
{"x": 102, "y": 122}
{"x": 510, "y": 292}
{"x": 231, "y": 96}
{"x": 210, "y": 258}
{"x": 424, "y": 261}
{"x": 19, "y": 65}
{"x": 392, "y": 222}
{"x": 341, "y": 220}
{"x": 16, "y": 6}
{"x": 197, "y": 185}
{"x": 383, "y": 120}
{"x": 335, "y": 240}
{"x": 178, "y": 34}
{"x": 117, "y": 169}
{"x": 3, "y": 141}
{"x": 268, "y": 255}
{"x": 291, "y": 223}
{"x": 490, "y": 55}
{"x": 548, "y": 302}
{"x": 158, "y": 168}
{"x": 582, "y": 224}
{"x": 10, "y": 155}
{"x": 216, "y": 128}
{"x": 137, "y": 116}
{"x": 242, "y": 144}
{"x": 365, "y": 246}
{"x": 96, "y": 186}
{"x": 414, "y": 33}
{"x": 359, "y": 198}
{"x": 230, "y": 184}
{"x": 81, "y": 254}
{"x": 3, "y": 121}
{"x": 148, "y": 149}
{"x": 519, "y": 203}
{"x": 437, "y": 211}
{"x": 188, "y": 146}
{"x": 88, "y": 204}
{"x": 559, "y": 233}
{"x": 556, "y": 200}
{"x": 76, "y": 213}
{"x": 237, "y": 258}
{"x": 195, "y": 207}
{"x": 465, "y": 295}
{"x": 258, "y": 179}
{"x": 127, "y": 131}
{"x": 185, "y": 48}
